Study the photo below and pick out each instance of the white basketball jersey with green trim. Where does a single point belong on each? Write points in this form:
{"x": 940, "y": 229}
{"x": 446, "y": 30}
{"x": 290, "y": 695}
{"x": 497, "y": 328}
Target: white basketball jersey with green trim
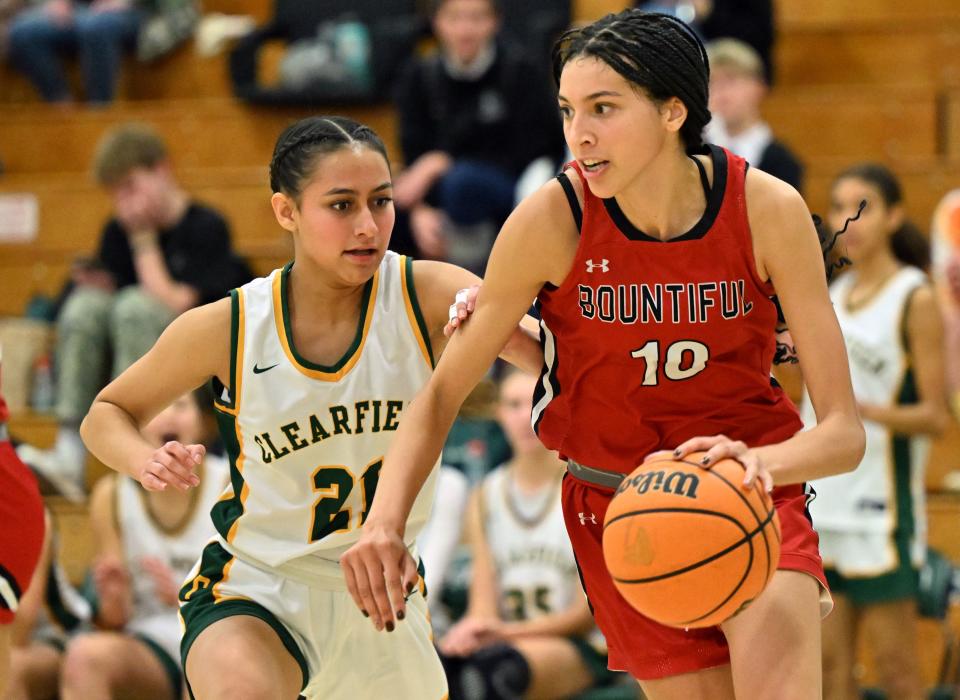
{"x": 307, "y": 442}
{"x": 888, "y": 485}
{"x": 143, "y": 537}
{"x": 536, "y": 570}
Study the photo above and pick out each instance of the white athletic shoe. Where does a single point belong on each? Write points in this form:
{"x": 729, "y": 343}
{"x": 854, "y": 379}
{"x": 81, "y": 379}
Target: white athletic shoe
{"x": 64, "y": 479}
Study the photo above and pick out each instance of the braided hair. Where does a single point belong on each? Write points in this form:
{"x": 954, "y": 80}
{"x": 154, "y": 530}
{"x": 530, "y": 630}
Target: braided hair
{"x": 298, "y": 148}
{"x": 658, "y": 53}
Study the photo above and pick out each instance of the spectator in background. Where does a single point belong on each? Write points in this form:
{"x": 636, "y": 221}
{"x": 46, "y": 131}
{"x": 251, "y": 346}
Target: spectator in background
{"x": 737, "y": 89}
{"x": 51, "y": 609}
{"x": 475, "y": 446}
{"x": 471, "y": 120}
{"x": 528, "y": 625}
{"x": 161, "y": 254}
{"x": 21, "y": 546}
{"x": 147, "y": 542}
{"x": 871, "y": 521}
{"x": 98, "y": 31}
{"x": 750, "y": 21}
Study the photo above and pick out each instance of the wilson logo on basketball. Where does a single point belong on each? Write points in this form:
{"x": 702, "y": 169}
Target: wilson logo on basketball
{"x": 680, "y": 483}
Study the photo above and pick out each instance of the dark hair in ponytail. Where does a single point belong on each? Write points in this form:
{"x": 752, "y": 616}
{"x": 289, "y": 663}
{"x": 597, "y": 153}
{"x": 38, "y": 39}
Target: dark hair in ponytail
{"x": 299, "y": 146}
{"x": 909, "y": 245}
{"x": 658, "y": 53}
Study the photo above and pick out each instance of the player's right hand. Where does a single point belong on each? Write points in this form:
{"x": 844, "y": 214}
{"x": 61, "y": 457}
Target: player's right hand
{"x": 461, "y": 308}
{"x": 173, "y": 464}
{"x": 380, "y": 573}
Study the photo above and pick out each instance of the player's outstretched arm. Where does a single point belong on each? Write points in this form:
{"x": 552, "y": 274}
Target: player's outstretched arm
{"x": 193, "y": 348}
{"x": 524, "y": 257}
{"x": 788, "y": 251}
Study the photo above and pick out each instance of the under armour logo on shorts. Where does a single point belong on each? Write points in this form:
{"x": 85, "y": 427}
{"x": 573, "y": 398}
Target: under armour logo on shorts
{"x": 584, "y": 518}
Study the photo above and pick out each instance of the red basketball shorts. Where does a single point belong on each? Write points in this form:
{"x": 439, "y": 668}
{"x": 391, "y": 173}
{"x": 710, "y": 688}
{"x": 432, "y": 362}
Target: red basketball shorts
{"x": 21, "y": 530}
{"x": 644, "y": 648}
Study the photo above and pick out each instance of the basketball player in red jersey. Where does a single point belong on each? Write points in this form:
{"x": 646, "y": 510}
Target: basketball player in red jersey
{"x": 658, "y": 334}
{"x": 21, "y": 536}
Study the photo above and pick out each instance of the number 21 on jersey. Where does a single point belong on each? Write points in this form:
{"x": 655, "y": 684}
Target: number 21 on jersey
{"x": 334, "y": 483}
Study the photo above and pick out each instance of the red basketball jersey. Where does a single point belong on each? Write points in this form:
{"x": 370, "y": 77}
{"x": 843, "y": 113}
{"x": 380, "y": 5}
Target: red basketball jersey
{"x": 648, "y": 343}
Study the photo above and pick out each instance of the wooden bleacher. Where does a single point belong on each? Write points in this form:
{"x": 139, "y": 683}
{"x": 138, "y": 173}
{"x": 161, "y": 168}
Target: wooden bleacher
{"x": 856, "y": 80}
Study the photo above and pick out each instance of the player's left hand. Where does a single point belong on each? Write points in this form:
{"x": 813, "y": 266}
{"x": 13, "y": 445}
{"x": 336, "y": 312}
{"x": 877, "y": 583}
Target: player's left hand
{"x": 719, "y": 447}
{"x": 380, "y": 572}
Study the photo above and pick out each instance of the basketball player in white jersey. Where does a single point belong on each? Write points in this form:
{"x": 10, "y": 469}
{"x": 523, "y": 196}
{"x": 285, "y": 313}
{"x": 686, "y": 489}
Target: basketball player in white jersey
{"x": 147, "y": 542}
{"x": 315, "y": 365}
{"x": 872, "y": 521}
{"x": 527, "y": 617}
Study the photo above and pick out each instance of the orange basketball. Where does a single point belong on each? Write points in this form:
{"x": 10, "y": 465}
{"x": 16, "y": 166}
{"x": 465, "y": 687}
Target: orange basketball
{"x": 690, "y": 547}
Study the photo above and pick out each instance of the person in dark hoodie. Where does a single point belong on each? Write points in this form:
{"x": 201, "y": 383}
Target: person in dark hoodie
{"x": 472, "y": 117}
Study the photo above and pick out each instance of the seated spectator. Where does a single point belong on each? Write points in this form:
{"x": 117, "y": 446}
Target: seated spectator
{"x": 147, "y": 542}
{"x": 528, "y": 626}
{"x": 475, "y": 446}
{"x": 471, "y": 120}
{"x": 737, "y": 89}
{"x": 51, "y": 609}
{"x": 98, "y": 31}
{"x": 161, "y": 254}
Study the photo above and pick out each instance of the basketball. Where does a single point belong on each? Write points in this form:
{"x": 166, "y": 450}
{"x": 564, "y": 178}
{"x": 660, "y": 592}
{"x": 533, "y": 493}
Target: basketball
{"x": 687, "y": 546}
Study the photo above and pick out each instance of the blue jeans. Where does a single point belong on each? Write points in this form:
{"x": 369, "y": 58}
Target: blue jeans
{"x": 472, "y": 192}
{"x": 97, "y": 37}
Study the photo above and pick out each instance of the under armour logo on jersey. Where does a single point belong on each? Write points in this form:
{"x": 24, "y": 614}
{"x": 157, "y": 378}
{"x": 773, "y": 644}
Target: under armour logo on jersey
{"x": 603, "y": 265}
{"x": 584, "y": 518}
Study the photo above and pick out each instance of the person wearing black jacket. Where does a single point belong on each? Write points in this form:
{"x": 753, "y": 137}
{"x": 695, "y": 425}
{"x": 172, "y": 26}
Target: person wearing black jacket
{"x": 160, "y": 254}
{"x": 472, "y": 117}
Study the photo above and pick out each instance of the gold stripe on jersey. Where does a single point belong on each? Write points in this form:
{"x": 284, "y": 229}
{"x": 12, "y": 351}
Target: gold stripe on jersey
{"x": 413, "y": 309}
{"x": 281, "y": 314}
{"x": 237, "y": 326}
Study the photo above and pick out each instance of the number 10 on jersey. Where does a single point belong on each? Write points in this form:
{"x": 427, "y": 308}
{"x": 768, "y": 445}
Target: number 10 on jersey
{"x": 334, "y": 483}
{"x": 684, "y": 359}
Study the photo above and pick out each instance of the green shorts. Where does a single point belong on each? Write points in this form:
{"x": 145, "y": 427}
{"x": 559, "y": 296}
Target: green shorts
{"x": 170, "y": 665}
{"x": 900, "y": 583}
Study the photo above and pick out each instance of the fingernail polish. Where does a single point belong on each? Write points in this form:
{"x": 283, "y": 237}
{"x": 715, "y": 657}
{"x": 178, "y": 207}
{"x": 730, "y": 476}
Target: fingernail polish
{"x": 676, "y": 452}
{"x": 390, "y": 627}
{"x": 705, "y": 460}
{"x": 410, "y": 587}
{"x": 401, "y": 614}
{"x": 365, "y": 613}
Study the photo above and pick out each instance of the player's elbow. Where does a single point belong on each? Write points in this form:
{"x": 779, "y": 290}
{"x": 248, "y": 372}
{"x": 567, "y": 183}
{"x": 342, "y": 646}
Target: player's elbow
{"x": 937, "y": 422}
{"x": 854, "y": 441}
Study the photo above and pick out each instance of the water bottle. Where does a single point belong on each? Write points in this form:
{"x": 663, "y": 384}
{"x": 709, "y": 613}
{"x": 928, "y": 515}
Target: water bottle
{"x": 352, "y": 41}
{"x": 42, "y": 394}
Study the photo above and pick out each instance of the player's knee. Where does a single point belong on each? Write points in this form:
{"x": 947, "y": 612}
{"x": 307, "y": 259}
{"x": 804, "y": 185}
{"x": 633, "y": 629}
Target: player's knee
{"x": 498, "y": 671}
{"x": 897, "y": 664}
{"x": 88, "y": 655}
